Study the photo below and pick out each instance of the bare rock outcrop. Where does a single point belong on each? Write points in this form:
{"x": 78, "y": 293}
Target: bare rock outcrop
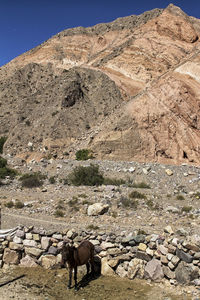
{"x": 128, "y": 90}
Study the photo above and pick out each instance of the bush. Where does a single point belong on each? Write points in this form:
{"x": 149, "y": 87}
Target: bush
{"x": 59, "y": 213}
{"x": 19, "y": 204}
{"x": 9, "y": 204}
{"x": 113, "y": 181}
{"x": 2, "y": 142}
{"x": 3, "y": 162}
{"x": 186, "y": 209}
{"x": 127, "y": 202}
{"x": 83, "y": 154}
{"x": 89, "y": 176}
{"x": 52, "y": 180}
{"x": 141, "y": 185}
{"x": 137, "y": 195}
{"x": 32, "y": 180}
{"x": 4, "y": 170}
{"x": 180, "y": 197}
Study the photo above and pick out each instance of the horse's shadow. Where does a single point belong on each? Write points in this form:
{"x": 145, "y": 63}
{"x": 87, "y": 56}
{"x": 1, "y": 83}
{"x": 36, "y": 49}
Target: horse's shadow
{"x": 86, "y": 279}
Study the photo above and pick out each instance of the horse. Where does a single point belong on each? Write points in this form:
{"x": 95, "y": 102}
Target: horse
{"x": 74, "y": 257}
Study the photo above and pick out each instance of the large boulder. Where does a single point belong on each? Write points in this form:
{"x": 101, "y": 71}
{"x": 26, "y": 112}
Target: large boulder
{"x": 28, "y": 261}
{"x": 185, "y": 273}
{"x": 11, "y": 257}
{"x": 153, "y": 270}
{"x": 97, "y": 209}
{"x": 105, "y": 268}
{"x": 136, "y": 268}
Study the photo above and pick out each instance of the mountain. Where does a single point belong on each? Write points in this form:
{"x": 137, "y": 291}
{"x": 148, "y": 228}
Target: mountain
{"x": 128, "y": 90}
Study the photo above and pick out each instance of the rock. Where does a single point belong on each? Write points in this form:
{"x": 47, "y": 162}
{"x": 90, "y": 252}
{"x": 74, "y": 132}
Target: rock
{"x": 36, "y": 237}
{"x": 97, "y": 209}
{"x": 57, "y": 236}
{"x": 153, "y": 270}
{"x": 105, "y": 268}
{"x": 29, "y": 236}
{"x": 45, "y": 242}
{"x": 48, "y": 261}
{"x": 142, "y": 247}
{"x": 168, "y": 229}
{"x": 27, "y": 262}
{"x": 185, "y": 273}
{"x": 17, "y": 240}
{"x": 172, "y": 209}
{"x": 142, "y": 255}
{"x": 71, "y": 234}
{"x": 163, "y": 249}
{"x": 33, "y": 251}
{"x": 196, "y": 282}
{"x": 136, "y": 268}
{"x": 190, "y": 246}
{"x": 20, "y": 233}
{"x": 164, "y": 259}
{"x": 150, "y": 252}
{"x": 175, "y": 260}
{"x": 11, "y": 257}
{"x": 131, "y": 169}
{"x": 15, "y": 246}
{"x": 169, "y": 172}
{"x": 186, "y": 257}
{"x": 168, "y": 273}
{"x": 107, "y": 245}
{"x": 121, "y": 272}
{"x": 53, "y": 250}
{"x": 30, "y": 243}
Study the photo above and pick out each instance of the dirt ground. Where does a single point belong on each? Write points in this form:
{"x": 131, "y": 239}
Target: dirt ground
{"x": 40, "y": 284}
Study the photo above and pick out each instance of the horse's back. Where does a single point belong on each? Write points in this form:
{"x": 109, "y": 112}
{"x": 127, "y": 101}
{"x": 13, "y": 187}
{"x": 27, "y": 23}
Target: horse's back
{"x": 85, "y": 252}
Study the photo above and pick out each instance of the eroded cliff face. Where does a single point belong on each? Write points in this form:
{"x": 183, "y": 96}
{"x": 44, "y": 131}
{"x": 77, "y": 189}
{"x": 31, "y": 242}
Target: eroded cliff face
{"x": 128, "y": 90}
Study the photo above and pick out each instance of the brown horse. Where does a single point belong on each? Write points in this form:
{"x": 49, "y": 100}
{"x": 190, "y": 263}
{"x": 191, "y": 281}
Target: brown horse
{"x": 75, "y": 257}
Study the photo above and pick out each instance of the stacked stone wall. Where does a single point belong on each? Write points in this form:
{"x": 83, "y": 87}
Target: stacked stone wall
{"x": 134, "y": 254}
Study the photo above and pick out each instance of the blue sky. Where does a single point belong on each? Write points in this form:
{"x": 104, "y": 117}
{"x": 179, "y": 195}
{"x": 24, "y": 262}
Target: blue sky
{"x": 24, "y": 24}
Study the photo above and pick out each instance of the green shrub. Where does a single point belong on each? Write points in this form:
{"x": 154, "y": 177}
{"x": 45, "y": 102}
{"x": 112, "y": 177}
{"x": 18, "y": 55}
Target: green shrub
{"x": 19, "y": 204}
{"x": 186, "y": 209}
{"x": 52, "y": 180}
{"x": 137, "y": 195}
{"x": 180, "y": 197}
{"x": 128, "y": 203}
{"x": 92, "y": 227}
{"x": 89, "y": 176}
{"x": 9, "y": 204}
{"x": 2, "y": 142}
{"x": 4, "y": 170}
{"x": 141, "y": 185}
{"x": 59, "y": 213}
{"x": 113, "y": 181}
{"x": 32, "y": 180}
{"x": 3, "y": 162}
{"x": 83, "y": 154}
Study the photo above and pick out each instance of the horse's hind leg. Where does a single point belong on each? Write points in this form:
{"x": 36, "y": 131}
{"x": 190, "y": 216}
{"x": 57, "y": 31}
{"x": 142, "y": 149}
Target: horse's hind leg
{"x": 75, "y": 278}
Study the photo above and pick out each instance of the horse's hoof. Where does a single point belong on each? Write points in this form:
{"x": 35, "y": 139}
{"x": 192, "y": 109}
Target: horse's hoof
{"x": 69, "y": 287}
{"x": 76, "y": 289}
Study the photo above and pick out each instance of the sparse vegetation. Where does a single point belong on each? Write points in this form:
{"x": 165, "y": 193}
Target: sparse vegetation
{"x": 52, "y": 179}
{"x": 186, "y": 209}
{"x": 92, "y": 227}
{"x": 113, "y": 181}
{"x": 18, "y": 204}
{"x": 31, "y": 180}
{"x": 180, "y": 197}
{"x": 128, "y": 203}
{"x": 9, "y": 204}
{"x": 141, "y": 185}
{"x": 59, "y": 213}
{"x": 137, "y": 195}
{"x": 4, "y": 170}
{"x": 2, "y": 142}
{"x": 84, "y": 154}
{"x": 89, "y": 176}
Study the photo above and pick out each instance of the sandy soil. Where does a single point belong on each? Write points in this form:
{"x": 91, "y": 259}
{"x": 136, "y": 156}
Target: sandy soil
{"x": 40, "y": 284}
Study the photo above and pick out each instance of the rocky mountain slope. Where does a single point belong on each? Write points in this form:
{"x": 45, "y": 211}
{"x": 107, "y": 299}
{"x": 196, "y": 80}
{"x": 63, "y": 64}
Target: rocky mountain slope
{"x": 128, "y": 90}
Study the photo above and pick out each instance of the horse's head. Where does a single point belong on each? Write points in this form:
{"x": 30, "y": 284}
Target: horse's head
{"x": 67, "y": 252}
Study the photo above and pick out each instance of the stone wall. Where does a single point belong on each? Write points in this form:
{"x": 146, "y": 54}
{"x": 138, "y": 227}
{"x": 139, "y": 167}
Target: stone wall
{"x": 130, "y": 255}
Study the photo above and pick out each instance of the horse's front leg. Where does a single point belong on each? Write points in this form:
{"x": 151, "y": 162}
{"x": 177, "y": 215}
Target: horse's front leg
{"x": 88, "y": 268}
{"x": 75, "y": 278}
{"x": 70, "y": 278}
